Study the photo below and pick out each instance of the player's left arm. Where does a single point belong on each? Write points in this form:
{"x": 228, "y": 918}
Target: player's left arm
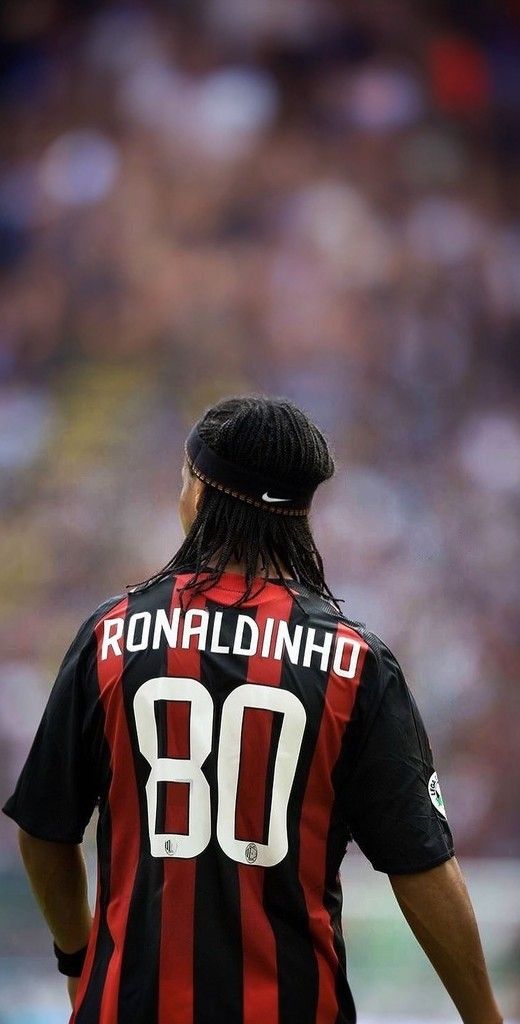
{"x": 438, "y": 909}
{"x": 58, "y": 879}
{"x": 396, "y": 813}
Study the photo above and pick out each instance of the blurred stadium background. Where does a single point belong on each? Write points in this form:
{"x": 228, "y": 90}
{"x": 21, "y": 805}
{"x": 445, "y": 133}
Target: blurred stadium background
{"x": 313, "y": 198}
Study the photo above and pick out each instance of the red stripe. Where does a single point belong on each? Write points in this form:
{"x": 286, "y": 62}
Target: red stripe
{"x": 257, "y": 729}
{"x": 260, "y": 975}
{"x": 124, "y": 812}
{"x": 314, "y": 825}
{"x": 178, "y": 745}
{"x": 178, "y": 902}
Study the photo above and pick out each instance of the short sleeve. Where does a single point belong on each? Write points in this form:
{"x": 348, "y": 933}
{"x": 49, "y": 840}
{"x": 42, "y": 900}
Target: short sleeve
{"x": 393, "y": 804}
{"x": 55, "y": 794}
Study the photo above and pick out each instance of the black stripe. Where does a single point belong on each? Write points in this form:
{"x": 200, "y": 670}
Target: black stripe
{"x": 139, "y": 985}
{"x": 91, "y": 1003}
{"x": 218, "y": 965}
{"x": 100, "y": 758}
{"x": 339, "y": 832}
{"x": 333, "y": 902}
{"x": 271, "y": 762}
{"x": 284, "y": 900}
{"x": 162, "y": 745}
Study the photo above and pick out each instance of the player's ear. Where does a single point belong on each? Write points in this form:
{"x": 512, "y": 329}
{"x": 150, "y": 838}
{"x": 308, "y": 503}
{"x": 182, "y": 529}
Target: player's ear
{"x": 190, "y": 497}
{"x": 198, "y": 493}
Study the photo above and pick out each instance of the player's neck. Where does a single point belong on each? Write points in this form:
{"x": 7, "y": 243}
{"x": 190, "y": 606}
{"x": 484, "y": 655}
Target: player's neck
{"x": 239, "y": 569}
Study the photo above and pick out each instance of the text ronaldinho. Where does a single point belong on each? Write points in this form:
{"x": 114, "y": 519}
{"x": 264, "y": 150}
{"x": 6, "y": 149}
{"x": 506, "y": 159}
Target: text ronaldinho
{"x": 203, "y": 630}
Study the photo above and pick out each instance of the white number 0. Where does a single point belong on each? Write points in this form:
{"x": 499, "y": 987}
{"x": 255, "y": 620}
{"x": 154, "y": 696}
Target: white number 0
{"x": 173, "y": 769}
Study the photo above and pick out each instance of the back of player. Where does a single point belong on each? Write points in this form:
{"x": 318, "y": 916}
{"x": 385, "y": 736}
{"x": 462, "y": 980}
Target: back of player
{"x": 235, "y": 732}
{"x": 223, "y": 726}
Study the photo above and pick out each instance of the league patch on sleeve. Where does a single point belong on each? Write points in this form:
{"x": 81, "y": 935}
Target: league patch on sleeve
{"x": 434, "y": 790}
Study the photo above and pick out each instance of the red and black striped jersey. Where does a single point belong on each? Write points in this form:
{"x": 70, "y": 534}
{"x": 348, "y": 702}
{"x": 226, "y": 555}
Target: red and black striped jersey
{"x": 233, "y": 752}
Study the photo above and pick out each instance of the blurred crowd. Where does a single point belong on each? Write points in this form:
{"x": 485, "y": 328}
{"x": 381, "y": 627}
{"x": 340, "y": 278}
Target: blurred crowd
{"x": 313, "y": 198}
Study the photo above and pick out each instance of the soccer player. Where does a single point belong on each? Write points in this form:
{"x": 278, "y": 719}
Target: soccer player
{"x": 236, "y": 732}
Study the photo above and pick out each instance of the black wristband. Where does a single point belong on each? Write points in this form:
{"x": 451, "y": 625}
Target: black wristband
{"x": 70, "y": 964}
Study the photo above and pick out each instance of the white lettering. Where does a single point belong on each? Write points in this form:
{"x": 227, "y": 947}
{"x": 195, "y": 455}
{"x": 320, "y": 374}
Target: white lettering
{"x": 239, "y": 647}
{"x": 138, "y": 645}
{"x": 276, "y": 640}
{"x": 292, "y": 643}
{"x": 355, "y": 648}
{"x": 268, "y": 632}
{"x": 216, "y": 646}
{"x": 112, "y": 633}
{"x": 200, "y": 630}
{"x": 167, "y": 626}
{"x": 312, "y": 647}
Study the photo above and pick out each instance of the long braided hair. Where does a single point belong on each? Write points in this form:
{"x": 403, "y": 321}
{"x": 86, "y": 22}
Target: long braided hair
{"x": 268, "y": 435}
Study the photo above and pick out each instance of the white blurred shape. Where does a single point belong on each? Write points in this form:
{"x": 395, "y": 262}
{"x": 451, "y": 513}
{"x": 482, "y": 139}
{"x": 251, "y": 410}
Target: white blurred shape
{"x": 230, "y": 107}
{"x": 219, "y": 115}
{"x": 445, "y": 231}
{"x": 338, "y": 220}
{"x": 445, "y": 658}
{"x": 471, "y": 793}
{"x": 329, "y": 212}
{"x": 155, "y": 94}
{"x": 489, "y": 451}
{"x": 22, "y": 697}
{"x": 371, "y": 515}
{"x": 79, "y": 168}
{"x": 25, "y": 421}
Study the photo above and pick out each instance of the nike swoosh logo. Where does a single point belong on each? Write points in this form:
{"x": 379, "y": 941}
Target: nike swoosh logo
{"x": 266, "y": 497}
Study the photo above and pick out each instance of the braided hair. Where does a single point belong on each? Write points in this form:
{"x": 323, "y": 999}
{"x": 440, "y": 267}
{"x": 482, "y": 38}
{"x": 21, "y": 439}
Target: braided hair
{"x": 268, "y": 435}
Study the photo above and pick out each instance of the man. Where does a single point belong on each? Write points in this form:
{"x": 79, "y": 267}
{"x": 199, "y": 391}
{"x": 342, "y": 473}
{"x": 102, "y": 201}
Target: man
{"x": 236, "y": 732}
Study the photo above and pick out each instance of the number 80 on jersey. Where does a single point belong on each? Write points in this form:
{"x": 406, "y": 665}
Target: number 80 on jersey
{"x": 229, "y": 754}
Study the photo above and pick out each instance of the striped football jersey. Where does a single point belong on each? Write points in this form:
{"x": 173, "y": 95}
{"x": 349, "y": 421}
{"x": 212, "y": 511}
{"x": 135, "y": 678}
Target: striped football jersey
{"x": 233, "y": 752}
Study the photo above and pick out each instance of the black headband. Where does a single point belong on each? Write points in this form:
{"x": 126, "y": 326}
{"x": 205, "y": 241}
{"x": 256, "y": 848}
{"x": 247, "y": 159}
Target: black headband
{"x": 246, "y": 485}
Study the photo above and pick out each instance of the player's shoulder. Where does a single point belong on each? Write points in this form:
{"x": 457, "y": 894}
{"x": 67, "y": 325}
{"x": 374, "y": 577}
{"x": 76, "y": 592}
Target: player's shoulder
{"x": 380, "y": 666}
{"x": 142, "y": 598}
{"x": 323, "y": 612}
{"x": 89, "y": 625}
{"x": 81, "y": 647}
{"x": 382, "y": 688}
{"x": 109, "y": 605}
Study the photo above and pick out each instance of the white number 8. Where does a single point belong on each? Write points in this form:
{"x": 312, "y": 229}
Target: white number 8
{"x": 169, "y": 769}
{"x": 174, "y": 769}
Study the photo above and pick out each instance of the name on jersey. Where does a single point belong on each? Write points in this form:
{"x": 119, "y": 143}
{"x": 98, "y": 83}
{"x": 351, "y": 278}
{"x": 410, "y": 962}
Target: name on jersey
{"x": 201, "y": 629}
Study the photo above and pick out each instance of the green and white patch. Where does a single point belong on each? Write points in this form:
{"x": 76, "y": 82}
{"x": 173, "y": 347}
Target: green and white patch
{"x": 434, "y": 790}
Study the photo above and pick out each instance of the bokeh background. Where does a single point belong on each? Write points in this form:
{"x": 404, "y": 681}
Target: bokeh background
{"x": 313, "y": 198}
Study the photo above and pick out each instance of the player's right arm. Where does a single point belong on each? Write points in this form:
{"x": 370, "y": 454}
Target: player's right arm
{"x": 438, "y": 909}
{"x": 58, "y": 879}
{"x": 54, "y": 799}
